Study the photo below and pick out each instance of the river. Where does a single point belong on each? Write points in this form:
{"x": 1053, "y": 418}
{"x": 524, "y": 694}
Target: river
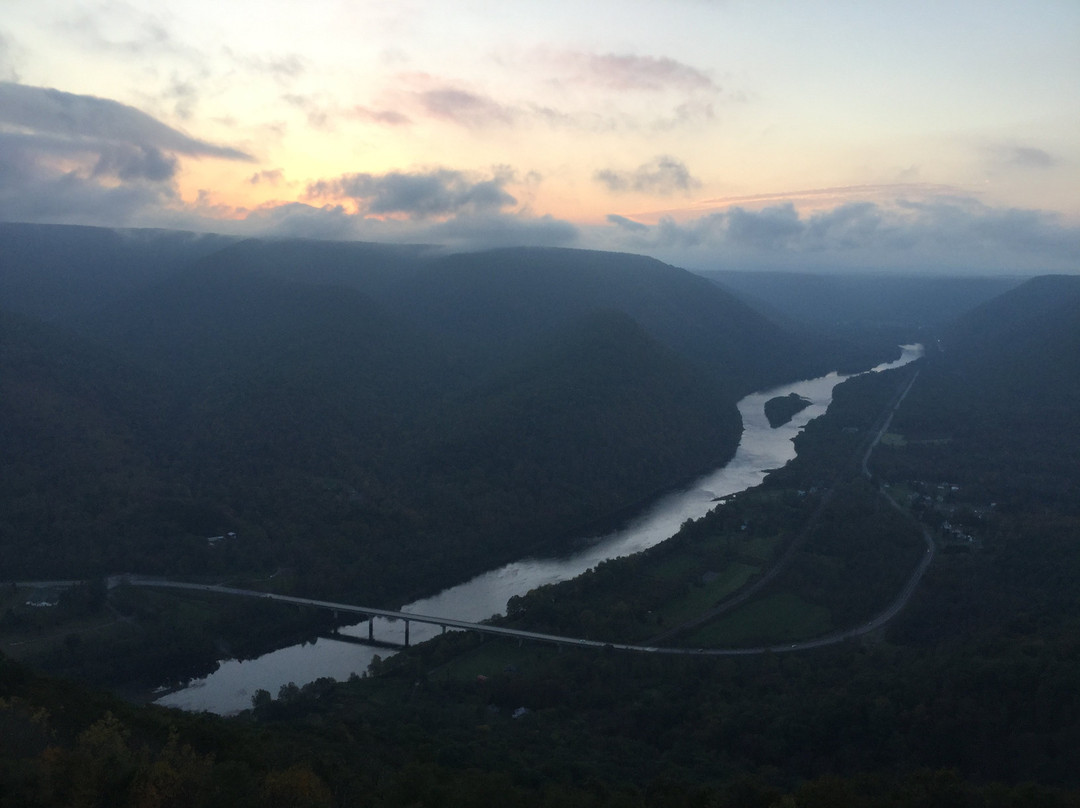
{"x": 230, "y": 688}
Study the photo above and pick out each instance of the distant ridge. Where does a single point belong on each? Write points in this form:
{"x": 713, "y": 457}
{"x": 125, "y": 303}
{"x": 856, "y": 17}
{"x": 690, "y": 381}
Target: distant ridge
{"x": 55, "y": 272}
{"x": 1000, "y": 391}
{"x": 867, "y": 299}
{"x": 1033, "y": 329}
{"x": 501, "y": 299}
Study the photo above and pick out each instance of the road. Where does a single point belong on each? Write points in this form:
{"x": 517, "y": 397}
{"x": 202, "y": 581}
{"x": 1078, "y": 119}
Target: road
{"x": 912, "y": 584}
{"x": 577, "y": 642}
{"x": 464, "y": 625}
{"x": 893, "y": 609}
{"x": 887, "y": 422}
{"x": 905, "y": 594}
{"x": 43, "y": 584}
{"x": 486, "y": 628}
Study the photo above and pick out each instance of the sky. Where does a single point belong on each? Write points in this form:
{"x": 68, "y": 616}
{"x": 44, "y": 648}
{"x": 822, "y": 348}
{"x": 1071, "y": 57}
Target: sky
{"x": 803, "y": 135}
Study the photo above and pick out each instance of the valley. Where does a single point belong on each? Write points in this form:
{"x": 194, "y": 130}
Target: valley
{"x": 389, "y": 422}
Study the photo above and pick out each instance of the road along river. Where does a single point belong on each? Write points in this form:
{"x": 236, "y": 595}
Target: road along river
{"x": 761, "y": 449}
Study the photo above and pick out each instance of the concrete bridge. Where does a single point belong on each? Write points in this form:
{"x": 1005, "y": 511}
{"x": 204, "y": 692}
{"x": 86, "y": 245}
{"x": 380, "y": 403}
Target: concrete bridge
{"x": 368, "y": 611}
{"x": 444, "y": 623}
{"x": 534, "y": 636}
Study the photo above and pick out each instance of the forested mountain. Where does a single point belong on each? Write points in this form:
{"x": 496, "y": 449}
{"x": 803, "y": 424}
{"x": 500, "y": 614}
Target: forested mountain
{"x": 880, "y": 301}
{"x": 80, "y": 433}
{"x": 55, "y": 272}
{"x": 349, "y": 407}
{"x": 994, "y": 421}
{"x": 1029, "y": 334}
{"x": 967, "y": 698}
{"x": 493, "y": 303}
{"x": 510, "y": 296}
{"x": 997, "y": 408}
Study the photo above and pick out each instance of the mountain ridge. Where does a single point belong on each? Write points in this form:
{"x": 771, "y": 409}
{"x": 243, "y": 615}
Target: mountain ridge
{"x": 342, "y": 405}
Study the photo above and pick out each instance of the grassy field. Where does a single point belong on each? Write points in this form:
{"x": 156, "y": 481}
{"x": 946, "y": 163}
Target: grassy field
{"x": 492, "y": 656}
{"x": 779, "y": 618}
{"x": 772, "y": 620}
{"x": 680, "y": 567}
{"x": 702, "y": 597}
{"x": 760, "y": 549}
{"x": 29, "y": 631}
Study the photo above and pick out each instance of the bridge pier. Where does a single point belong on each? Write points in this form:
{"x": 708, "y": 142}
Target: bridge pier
{"x": 371, "y": 628}
{"x": 406, "y": 633}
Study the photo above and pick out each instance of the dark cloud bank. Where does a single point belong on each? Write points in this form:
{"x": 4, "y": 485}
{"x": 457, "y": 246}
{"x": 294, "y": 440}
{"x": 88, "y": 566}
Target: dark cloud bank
{"x": 439, "y": 192}
{"x": 950, "y": 234}
{"x": 662, "y": 175}
{"x": 78, "y": 158}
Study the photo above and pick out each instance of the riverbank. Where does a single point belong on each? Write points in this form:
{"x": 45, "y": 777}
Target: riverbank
{"x": 761, "y": 449}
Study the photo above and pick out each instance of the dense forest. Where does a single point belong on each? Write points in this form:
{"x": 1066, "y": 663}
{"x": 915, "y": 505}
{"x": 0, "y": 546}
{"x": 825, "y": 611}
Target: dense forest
{"x": 348, "y": 408}
{"x": 966, "y": 699}
{"x": 782, "y": 409}
{"x": 196, "y": 399}
{"x": 362, "y": 422}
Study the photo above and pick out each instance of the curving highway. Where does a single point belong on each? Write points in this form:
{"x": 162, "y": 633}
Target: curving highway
{"x": 486, "y": 628}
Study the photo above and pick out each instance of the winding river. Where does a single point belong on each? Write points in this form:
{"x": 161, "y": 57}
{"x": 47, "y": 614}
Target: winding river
{"x": 230, "y": 688}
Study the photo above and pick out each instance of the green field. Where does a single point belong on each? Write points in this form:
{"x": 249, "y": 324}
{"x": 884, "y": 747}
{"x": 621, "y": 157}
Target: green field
{"x": 893, "y": 439}
{"x": 701, "y": 598}
{"x": 779, "y": 618}
{"x": 492, "y": 656}
{"x": 760, "y": 548}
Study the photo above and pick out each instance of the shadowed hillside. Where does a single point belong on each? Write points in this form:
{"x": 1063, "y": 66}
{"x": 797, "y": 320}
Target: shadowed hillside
{"x": 347, "y": 408}
{"x": 378, "y": 438}
{"x": 55, "y": 272}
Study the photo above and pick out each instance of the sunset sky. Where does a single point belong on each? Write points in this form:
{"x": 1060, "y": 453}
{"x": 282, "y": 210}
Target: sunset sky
{"x": 927, "y": 136}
